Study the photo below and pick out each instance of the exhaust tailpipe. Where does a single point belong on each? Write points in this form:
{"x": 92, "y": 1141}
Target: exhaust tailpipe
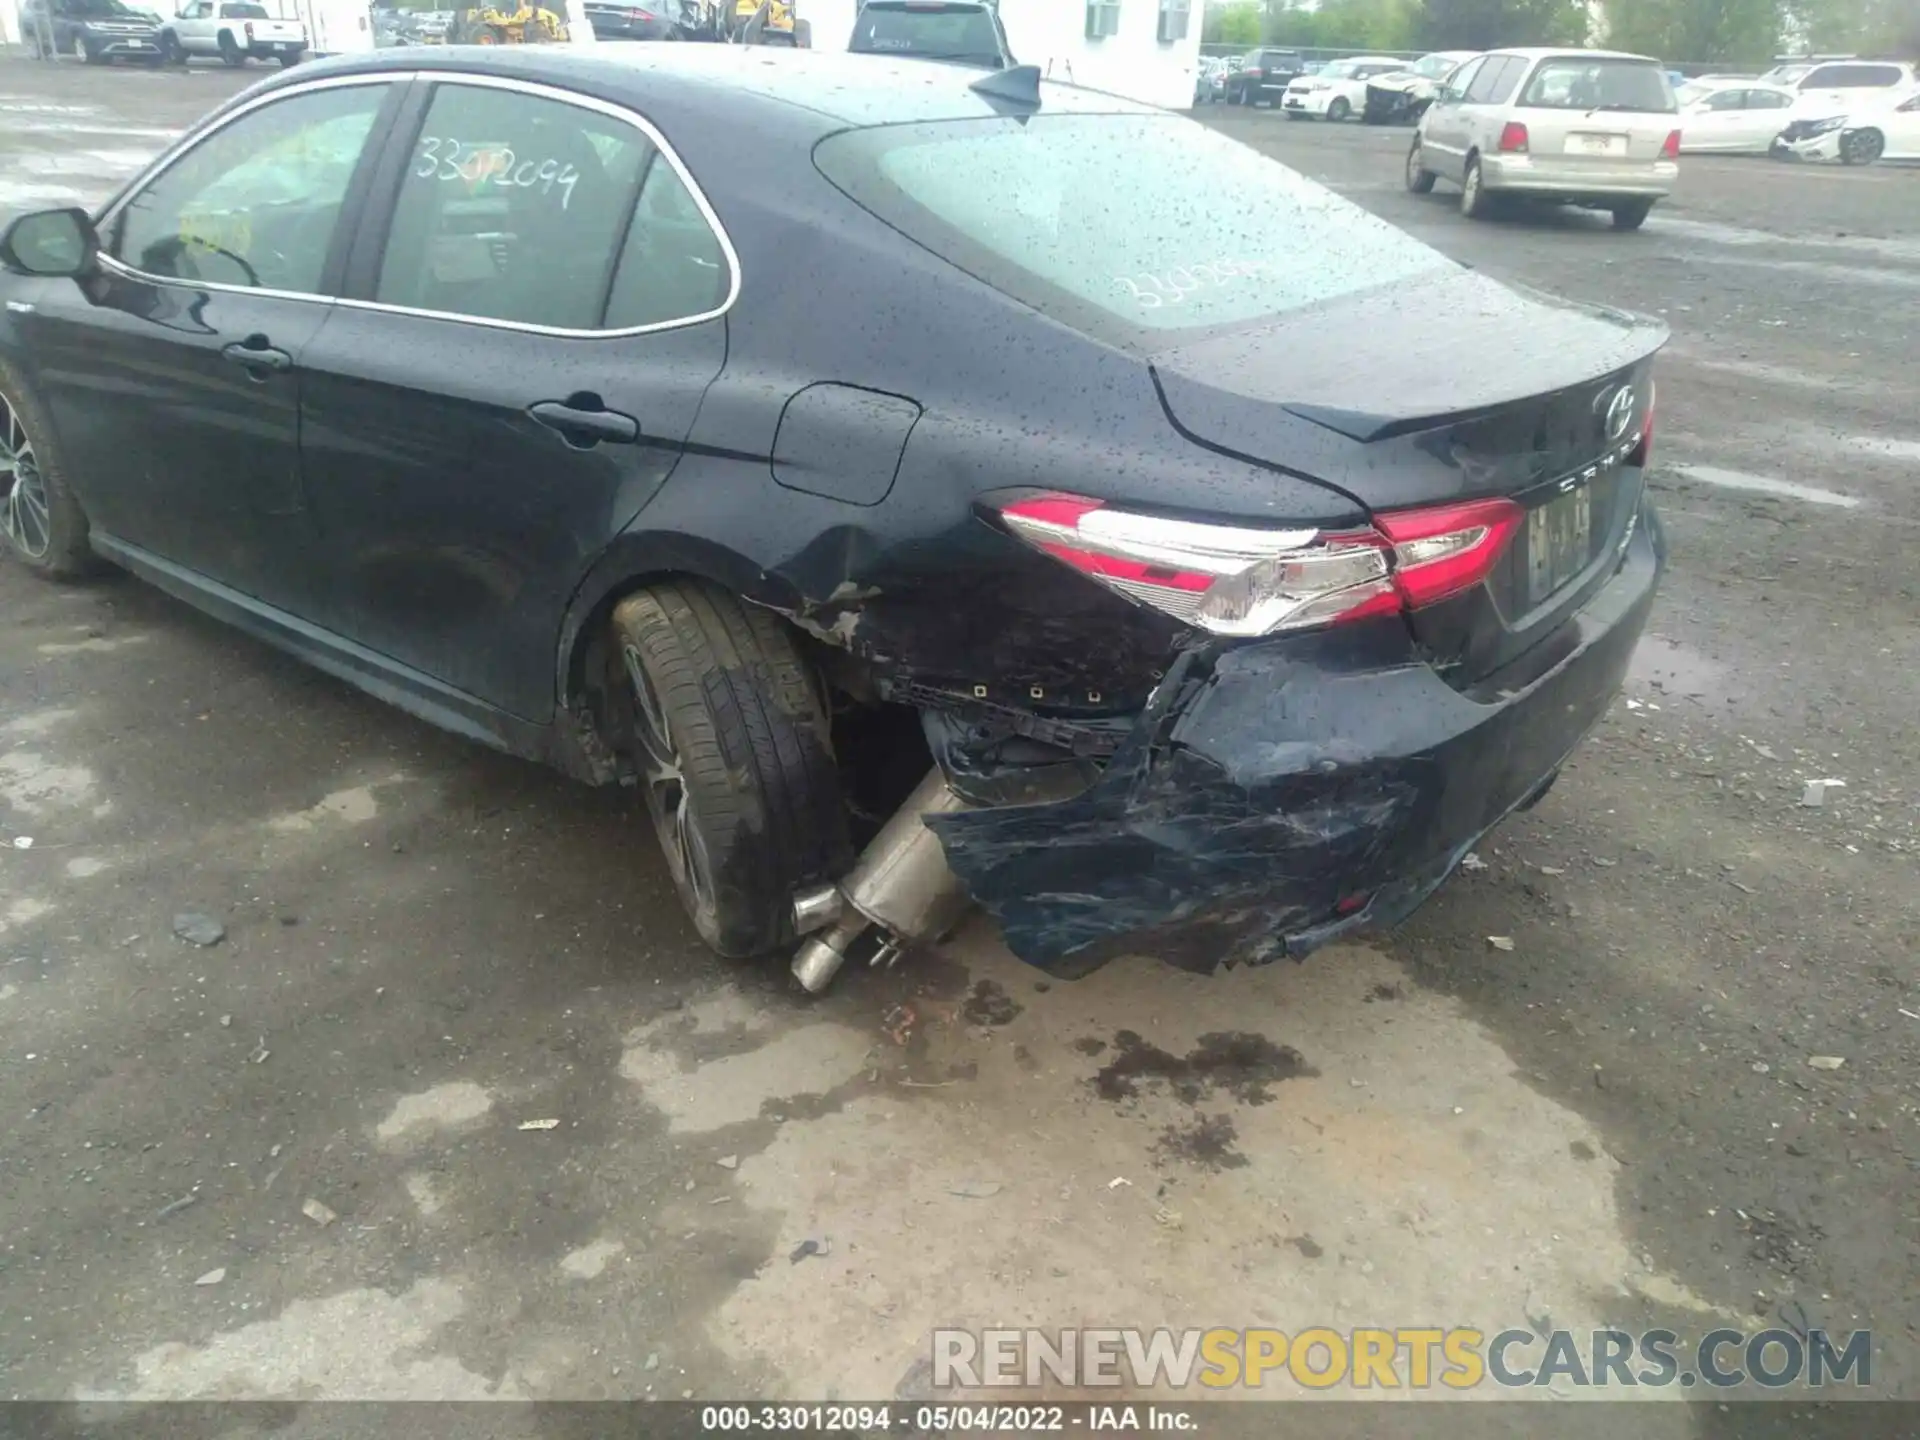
{"x": 900, "y": 883}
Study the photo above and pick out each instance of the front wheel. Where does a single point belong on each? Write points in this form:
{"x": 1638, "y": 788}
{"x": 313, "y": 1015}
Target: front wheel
{"x": 735, "y": 754}
{"x": 1419, "y": 178}
{"x": 172, "y": 52}
{"x": 41, "y": 524}
{"x": 1632, "y": 215}
{"x": 1339, "y": 110}
{"x": 1862, "y": 147}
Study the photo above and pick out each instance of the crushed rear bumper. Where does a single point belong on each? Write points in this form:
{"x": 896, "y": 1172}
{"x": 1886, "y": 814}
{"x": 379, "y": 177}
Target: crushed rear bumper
{"x": 1293, "y": 794}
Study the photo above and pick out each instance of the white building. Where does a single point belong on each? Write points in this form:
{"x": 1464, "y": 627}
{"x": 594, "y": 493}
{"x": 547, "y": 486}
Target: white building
{"x": 1115, "y": 45}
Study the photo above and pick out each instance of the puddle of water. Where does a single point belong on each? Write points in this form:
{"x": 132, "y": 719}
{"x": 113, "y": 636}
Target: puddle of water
{"x": 1678, "y": 671}
{"x": 1763, "y": 484}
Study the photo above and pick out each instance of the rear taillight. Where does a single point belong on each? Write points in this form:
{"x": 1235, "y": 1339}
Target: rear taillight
{"x": 249, "y": 29}
{"x": 1252, "y": 73}
{"x": 1671, "y": 150}
{"x": 1513, "y": 138}
{"x": 640, "y": 16}
{"x": 1232, "y": 580}
{"x": 1643, "y": 452}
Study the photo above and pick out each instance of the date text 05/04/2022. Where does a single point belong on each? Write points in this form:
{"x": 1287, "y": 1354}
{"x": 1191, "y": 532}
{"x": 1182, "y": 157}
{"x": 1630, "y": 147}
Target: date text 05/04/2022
{"x": 970, "y": 1419}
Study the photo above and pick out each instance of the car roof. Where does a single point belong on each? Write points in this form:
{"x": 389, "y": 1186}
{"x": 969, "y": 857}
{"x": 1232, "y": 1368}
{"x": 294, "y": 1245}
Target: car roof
{"x": 1369, "y": 60}
{"x": 1570, "y": 52}
{"x": 834, "y": 86}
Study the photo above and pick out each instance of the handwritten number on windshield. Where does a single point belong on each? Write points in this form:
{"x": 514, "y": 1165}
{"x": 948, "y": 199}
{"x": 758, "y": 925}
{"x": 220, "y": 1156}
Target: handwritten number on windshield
{"x": 1152, "y": 290}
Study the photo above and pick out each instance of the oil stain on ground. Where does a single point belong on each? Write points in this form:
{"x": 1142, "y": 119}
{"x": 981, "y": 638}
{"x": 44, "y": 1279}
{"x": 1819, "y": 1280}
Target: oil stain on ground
{"x": 1206, "y": 1140}
{"x": 989, "y": 1004}
{"x": 1242, "y": 1065}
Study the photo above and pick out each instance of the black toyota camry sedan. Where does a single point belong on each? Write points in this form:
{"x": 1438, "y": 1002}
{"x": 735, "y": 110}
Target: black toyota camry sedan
{"x": 919, "y": 486}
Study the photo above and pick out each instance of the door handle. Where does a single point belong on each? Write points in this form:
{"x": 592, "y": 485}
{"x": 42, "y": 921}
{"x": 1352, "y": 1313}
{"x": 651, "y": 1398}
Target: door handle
{"x": 584, "y": 428}
{"x": 256, "y": 356}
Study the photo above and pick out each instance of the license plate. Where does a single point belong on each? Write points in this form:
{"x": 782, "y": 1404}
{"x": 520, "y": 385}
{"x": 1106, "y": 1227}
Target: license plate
{"x": 1596, "y": 144}
{"x": 1559, "y": 542}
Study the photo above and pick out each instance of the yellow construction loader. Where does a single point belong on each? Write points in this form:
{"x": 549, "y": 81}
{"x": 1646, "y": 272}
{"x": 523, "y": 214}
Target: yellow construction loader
{"x": 530, "y": 24}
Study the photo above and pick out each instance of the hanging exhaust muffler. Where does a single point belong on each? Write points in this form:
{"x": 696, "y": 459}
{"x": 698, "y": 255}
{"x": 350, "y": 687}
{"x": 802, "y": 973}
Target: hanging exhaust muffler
{"x": 900, "y": 883}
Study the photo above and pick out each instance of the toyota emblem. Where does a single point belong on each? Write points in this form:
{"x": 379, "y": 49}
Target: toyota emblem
{"x": 1619, "y": 413}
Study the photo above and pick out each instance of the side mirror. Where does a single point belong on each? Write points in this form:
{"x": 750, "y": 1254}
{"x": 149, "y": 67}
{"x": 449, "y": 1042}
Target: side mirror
{"x": 50, "y": 244}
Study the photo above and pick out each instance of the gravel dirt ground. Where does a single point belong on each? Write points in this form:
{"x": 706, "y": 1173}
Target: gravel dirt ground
{"x": 458, "y": 1107}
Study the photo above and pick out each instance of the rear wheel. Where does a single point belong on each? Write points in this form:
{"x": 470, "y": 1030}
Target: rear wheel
{"x": 1339, "y": 110}
{"x": 287, "y": 62}
{"x": 41, "y": 524}
{"x": 1474, "y": 202}
{"x": 1862, "y": 147}
{"x": 735, "y": 755}
{"x": 1419, "y": 178}
{"x": 1632, "y": 215}
{"x": 230, "y": 53}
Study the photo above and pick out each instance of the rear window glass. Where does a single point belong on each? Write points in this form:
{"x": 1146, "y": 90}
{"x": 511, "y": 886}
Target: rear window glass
{"x": 1577, "y": 82}
{"x": 1852, "y": 77}
{"x": 244, "y": 12}
{"x": 1122, "y": 224}
{"x": 927, "y": 32}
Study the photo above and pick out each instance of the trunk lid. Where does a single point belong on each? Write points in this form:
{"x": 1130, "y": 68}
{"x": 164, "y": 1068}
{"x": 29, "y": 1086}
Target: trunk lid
{"x": 1450, "y": 388}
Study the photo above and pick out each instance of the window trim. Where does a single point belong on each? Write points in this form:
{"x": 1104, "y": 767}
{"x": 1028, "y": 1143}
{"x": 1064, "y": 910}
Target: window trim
{"x": 192, "y": 142}
{"x": 382, "y": 209}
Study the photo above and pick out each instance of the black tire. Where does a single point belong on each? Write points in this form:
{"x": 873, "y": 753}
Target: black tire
{"x": 1474, "y": 202}
{"x": 1339, "y": 110}
{"x": 231, "y": 55}
{"x": 1862, "y": 147}
{"x": 1295, "y": 115}
{"x": 41, "y": 523}
{"x": 751, "y": 810}
{"x": 287, "y": 62}
{"x": 1419, "y": 178}
{"x": 172, "y": 52}
{"x": 1632, "y": 215}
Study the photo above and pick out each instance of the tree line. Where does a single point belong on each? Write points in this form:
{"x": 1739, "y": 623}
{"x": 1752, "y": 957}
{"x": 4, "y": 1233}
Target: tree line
{"x": 1744, "y": 32}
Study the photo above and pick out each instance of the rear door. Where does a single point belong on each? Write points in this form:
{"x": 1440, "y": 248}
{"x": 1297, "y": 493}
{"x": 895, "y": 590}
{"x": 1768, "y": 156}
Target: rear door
{"x": 529, "y": 331}
{"x": 1762, "y": 118}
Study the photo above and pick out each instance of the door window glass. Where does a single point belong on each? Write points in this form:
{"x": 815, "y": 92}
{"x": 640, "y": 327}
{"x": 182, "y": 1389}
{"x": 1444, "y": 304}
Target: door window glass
{"x": 255, "y": 203}
{"x": 1462, "y": 80}
{"x": 515, "y": 207}
{"x": 1480, "y": 91}
{"x": 1728, "y": 100}
{"x": 1506, "y": 79}
{"x": 672, "y": 267}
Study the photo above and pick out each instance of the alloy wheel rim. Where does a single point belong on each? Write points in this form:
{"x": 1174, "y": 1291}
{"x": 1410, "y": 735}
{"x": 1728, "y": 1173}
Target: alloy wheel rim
{"x": 1472, "y": 187}
{"x": 668, "y": 800}
{"x": 25, "y": 517}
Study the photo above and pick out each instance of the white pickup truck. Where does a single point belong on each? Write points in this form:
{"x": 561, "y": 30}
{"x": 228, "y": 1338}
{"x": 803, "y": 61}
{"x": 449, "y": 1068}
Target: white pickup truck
{"x": 235, "y": 30}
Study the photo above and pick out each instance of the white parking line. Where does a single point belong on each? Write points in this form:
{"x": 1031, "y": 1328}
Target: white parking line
{"x": 1766, "y": 485}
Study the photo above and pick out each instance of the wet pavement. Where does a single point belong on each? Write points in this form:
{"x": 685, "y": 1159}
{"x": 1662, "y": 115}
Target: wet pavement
{"x": 430, "y": 952}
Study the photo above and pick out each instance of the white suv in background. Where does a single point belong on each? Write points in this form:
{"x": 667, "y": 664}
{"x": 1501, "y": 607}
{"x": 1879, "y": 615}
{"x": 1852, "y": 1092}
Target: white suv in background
{"x": 1594, "y": 128}
{"x": 1840, "y": 85}
{"x": 1339, "y": 90}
